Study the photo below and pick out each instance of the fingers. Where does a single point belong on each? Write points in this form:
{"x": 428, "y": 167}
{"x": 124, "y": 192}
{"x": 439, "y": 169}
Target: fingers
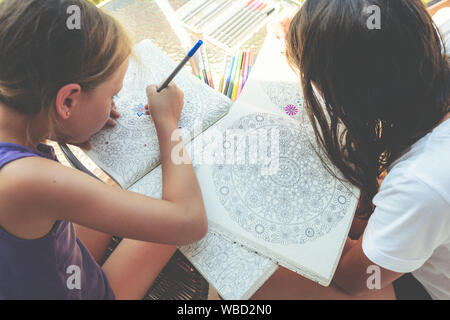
{"x": 151, "y": 90}
{"x": 173, "y": 86}
{"x": 115, "y": 114}
{"x": 110, "y": 123}
{"x": 166, "y": 104}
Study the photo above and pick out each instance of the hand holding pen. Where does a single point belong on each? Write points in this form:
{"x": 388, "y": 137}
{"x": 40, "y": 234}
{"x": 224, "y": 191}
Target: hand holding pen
{"x": 172, "y": 96}
{"x": 166, "y": 106}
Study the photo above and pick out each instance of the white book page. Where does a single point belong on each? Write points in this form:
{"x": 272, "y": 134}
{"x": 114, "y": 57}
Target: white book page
{"x": 233, "y": 270}
{"x": 273, "y": 80}
{"x": 298, "y": 215}
{"x": 131, "y": 149}
{"x": 295, "y": 212}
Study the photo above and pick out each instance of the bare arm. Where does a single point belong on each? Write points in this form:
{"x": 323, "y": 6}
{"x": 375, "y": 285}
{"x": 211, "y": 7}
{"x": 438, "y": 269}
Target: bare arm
{"x": 36, "y": 192}
{"x": 39, "y": 189}
{"x": 353, "y": 270}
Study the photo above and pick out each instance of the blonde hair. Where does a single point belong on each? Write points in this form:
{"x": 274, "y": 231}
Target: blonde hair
{"x": 40, "y": 53}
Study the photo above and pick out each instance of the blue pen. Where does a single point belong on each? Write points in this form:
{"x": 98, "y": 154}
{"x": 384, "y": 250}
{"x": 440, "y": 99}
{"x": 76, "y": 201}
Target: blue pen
{"x": 180, "y": 66}
{"x": 225, "y": 91}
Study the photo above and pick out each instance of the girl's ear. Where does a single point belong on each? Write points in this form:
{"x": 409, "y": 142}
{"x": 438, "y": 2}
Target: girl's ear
{"x": 66, "y": 99}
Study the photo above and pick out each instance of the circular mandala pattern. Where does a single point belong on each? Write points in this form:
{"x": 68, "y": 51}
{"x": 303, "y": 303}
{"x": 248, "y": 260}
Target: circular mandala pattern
{"x": 288, "y": 173}
{"x": 286, "y": 96}
{"x": 131, "y": 148}
{"x": 298, "y": 202}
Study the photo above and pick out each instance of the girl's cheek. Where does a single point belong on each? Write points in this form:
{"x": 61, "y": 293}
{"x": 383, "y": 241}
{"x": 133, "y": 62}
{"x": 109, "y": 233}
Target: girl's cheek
{"x": 100, "y": 121}
{"x": 106, "y": 115}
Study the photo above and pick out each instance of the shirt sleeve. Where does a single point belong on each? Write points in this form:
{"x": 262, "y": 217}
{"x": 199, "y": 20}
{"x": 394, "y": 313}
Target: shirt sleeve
{"x": 442, "y": 21}
{"x": 409, "y": 222}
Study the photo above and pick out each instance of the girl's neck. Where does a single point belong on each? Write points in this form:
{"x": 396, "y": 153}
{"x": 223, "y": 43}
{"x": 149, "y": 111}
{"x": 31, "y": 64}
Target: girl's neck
{"x": 14, "y": 127}
{"x": 445, "y": 118}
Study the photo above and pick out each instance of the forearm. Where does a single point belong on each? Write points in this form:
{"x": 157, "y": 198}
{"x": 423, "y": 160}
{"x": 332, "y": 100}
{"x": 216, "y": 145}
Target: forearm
{"x": 355, "y": 270}
{"x": 350, "y": 276}
{"x": 349, "y": 243}
{"x": 180, "y": 183}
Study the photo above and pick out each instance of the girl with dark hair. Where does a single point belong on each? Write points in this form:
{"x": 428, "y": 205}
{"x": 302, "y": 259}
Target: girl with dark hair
{"x": 385, "y": 110}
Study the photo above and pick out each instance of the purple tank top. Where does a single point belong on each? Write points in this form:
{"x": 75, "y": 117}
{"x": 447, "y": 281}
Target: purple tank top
{"x": 57, "y": 266}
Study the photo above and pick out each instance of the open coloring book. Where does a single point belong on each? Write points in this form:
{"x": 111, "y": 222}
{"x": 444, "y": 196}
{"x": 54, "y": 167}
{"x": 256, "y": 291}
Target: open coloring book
{"x": 269, "y": 199}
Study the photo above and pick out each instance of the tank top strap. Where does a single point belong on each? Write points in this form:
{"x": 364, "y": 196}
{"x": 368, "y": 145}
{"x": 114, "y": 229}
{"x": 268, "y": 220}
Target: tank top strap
{"x": 11, "y": 151}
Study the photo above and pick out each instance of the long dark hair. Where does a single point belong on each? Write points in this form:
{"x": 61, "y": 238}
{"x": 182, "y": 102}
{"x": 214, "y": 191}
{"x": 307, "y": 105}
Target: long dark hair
{"x": 383, "y": 89}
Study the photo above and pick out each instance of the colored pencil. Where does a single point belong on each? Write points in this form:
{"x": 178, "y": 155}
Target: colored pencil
{"x": 250, "y": 25}
{"x": 227, "y": 83}
{"x": 196, "y": 59}
{"x": 247, "y": 59}
{"x": 230, "y": 89}
{"x": 211, "y": 14}
{"x": 241, "y": 78}
{"x": 222, "y": 79}
{"x": 247, "y": 13}
{"x": 251, "y": 13}
{"x": 237, "y": 75}
{"x": 208, "y": 68}
{"x": 250, "y": 63}
{"x": 236, "y": 15}
{"x": 202, "y": 68}
{"x": 194, "y": 67}
{"x": 254, "y": 17}
{"x": 192, "y": 13}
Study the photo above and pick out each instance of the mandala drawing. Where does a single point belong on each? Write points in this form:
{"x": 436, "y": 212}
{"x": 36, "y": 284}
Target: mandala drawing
{"x": 131, "y": 149}
{"x": 230, "y": 267}
{"x": 300, "y": 202}
{"x": 233, "y": 269}
{"x": 287, "y": 96}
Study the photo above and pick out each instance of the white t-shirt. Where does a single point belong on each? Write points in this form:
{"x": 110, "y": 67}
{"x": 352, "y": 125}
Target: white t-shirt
{"x": 409, "y": 231}
{"x": 442, "y": 20}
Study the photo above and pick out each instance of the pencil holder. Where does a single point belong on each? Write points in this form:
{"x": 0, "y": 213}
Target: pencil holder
{"x": 227, "y": 23}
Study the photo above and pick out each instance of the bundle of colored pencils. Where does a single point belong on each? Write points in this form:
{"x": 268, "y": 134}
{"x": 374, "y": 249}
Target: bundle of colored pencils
{"x": 236, "y": 72}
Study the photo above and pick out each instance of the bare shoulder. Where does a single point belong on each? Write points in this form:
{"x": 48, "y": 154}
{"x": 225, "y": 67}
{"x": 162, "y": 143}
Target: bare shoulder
{"x": 35, "y": 192}
{"x": 24, "y": 186}
{"x": 28, "y": 177}
{"x": 38, "y": 183}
